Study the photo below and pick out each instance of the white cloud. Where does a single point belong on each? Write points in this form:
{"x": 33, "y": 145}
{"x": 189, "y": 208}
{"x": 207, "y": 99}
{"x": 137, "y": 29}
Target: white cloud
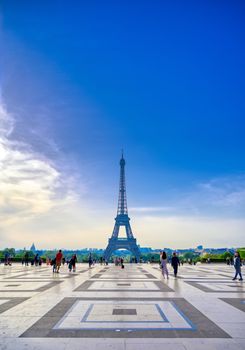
{"x": 38, "y": 203}
{"x": 225, "y": 192}
{"x": 6, "y": 122}
{"x": 151, "y": 209}
{"x": 189, "y": 231}
{"x": 29, "y": 183}
{"x": 218, "y": 197}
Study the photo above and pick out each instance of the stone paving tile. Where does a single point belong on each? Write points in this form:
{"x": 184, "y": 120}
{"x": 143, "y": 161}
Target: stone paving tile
{"x": 134, "y": 285}
{"x": 218, "y": 286}
{"x": 8, "y": 303}
{"x": 215, "y": 311}
{"x": 239, "y": 303}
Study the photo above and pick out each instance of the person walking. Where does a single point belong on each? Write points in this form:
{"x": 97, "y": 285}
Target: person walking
{"x": 121, "y": 262}
{"x": 72, "y": 263}
{"x": 26, "y": 257}
{"x": 36, "y": 259}
{"x": 164, "y": 267}
{"x": 175, "y": 263}
{"x": 6, "y": 258}
{"x": 90, "y": 260}
{"x": 59, "y": 256}
{"x": 237, "y": 265}
{"x": 53, "y": 263}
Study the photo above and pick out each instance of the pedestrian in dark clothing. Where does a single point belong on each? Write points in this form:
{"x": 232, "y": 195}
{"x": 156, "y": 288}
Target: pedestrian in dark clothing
{"x": 175, "y": 263}
{"x": 237, "y": 265}
{"x": 121, "y": 262}
{"x": 6, "y": 258}
{"x": 36, "y": 259}
{"x": 90, "y": 260}
{"x": 72, "y": 263}
{"x": 26, "y": 257}
{"x": 53, "y": 263}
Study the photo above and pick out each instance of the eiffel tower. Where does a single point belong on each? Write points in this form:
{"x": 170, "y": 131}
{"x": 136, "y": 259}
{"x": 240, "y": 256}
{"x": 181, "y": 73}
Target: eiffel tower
{"x": 122, "y": 219}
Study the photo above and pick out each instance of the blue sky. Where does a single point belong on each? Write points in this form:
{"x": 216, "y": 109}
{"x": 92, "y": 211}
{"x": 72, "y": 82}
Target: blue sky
{"x": 162, "y": 80}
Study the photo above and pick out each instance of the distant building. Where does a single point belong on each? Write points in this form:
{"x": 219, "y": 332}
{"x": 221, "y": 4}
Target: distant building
{"x": 33, "y": 248}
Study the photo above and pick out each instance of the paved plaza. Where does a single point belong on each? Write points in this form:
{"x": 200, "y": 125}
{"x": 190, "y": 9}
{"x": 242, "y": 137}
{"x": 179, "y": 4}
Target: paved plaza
{"x": 106, "y": 307}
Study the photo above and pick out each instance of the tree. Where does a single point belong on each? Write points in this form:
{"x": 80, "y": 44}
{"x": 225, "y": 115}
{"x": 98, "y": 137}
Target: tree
{"x": 188, "y": 255}
{"x": 10, "y": 251}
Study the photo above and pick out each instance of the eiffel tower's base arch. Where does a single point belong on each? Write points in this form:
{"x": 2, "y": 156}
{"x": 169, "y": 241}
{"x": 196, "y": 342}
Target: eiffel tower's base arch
{"x": 122, "y": 243}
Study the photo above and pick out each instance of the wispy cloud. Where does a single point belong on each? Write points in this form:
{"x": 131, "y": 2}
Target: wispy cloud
{"x": 37, "y": 196}
{"x": 151, "y": 209}
{"x": 225, "y": 192}
{"x": 30, "y": 184}
{"x": 189, "y": 231}
{"x": 220, "y": 197}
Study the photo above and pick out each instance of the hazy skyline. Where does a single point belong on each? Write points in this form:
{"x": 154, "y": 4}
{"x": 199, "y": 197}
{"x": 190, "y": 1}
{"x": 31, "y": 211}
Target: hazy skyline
{"x": 164, "y": 81}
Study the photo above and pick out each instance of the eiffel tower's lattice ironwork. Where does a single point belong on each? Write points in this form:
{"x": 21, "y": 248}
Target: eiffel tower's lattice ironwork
{"x": 122, "y": 219}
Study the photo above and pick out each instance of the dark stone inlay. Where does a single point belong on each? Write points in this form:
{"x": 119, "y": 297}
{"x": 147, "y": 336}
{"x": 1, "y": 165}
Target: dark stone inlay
{"x": 97, "y": 275}
{"x": 205, "y": 328}
{"x": 198, "y": 285}
{"x": 124, "y": 312}
{"x": 123, "y": 278}
{"x": 40, "y": 289}
{"x": 12, "y": 285}
{"x": 236, "y": 302}
{"x": 85, "y": 286}
{"x": 150, "y": 276}
{"x": 26, "y": 276}
{"x": 202, "y": 279}
{"x": 143, "y": 275}
{"x": 11, "y": 303}
{"x": 234, "y": 286}
{"x": 82, "y": 271}
{"x": 123, "y": 284}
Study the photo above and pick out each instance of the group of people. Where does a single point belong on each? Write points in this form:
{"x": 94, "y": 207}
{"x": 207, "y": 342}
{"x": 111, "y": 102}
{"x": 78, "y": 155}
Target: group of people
{"x": 103, "y": 261}
{"x": 37, "y": 260}
{"x": 119, "y": 262}
{"x": 59, "y": 259}
{"x": 7, "y": 259}
{"x": 175, "y": 262}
